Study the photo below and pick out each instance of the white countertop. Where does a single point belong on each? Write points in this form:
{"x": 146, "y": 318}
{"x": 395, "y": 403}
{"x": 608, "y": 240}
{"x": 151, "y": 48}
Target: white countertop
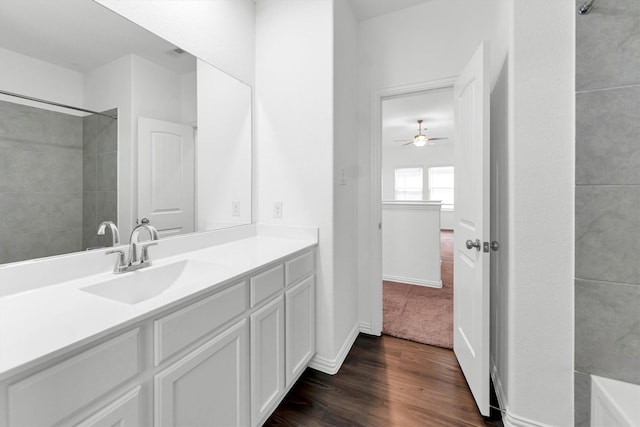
{"x": 42, "y": 323}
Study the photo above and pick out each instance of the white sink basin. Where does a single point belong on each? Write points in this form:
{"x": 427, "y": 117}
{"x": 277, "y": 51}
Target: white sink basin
{"x": 149, "y": 282}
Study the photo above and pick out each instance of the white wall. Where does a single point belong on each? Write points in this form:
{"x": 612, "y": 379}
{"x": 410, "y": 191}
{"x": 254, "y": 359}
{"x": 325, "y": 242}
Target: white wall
{"x": 438, "y": 36}
{"x": 411, "y": 243}
{"x": 294, "y": 97}
{"x": 223, "y": 164}
{"x": 220, "y": 32}
{"x": 39, "y": 79}
{"x": 345, "y": 159}
{"x": 541, "y": 211}
{"x": 189, "y": 97}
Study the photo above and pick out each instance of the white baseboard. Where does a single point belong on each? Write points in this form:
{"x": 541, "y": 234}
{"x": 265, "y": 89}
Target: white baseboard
{"x": 411, "y": 281}
{"x": 367, "y": 328}
{"x": 332, "y": 366}
{"x": 509, "y": 419}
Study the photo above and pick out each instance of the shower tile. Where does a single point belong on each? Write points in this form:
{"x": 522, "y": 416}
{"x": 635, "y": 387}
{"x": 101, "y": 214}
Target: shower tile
{"x": 89, "y": 221}
{"x": 64, "y": 212}
{"x": 608, "y": 137}
{"x": 89, "y": 173}
{"x": 23, "y": 123}
{"x": 607, "y": 230}
{"x": 107, "y": 172}
{"x": 36, "y": 225}
{"x": 607, "y": 330}
{"x": 89, "y": 134}
{"x": 65, "y": 129}
{"x": 107, "y": 135}
{"x": 15, "y": 167}
{"x": 582, "y": 394}
{"x": 107, "y": 206}
{"x": 608, "y": 45}
{"x": 60, "y": 170}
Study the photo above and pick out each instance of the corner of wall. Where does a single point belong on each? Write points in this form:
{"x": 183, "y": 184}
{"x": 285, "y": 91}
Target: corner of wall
{"x": 332, "y": 366}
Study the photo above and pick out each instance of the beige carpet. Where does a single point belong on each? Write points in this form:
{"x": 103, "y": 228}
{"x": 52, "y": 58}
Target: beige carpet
{"x": 420, "y": 313}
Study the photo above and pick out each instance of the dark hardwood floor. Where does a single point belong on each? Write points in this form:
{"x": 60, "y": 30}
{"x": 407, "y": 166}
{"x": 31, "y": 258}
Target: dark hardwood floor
{"x": 384, "y": 381}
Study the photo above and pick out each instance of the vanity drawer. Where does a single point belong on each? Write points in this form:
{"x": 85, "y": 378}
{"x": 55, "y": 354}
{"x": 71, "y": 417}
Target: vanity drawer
{"x": 299, "y": 267}
{"x": 266, "y": 284}
{"x": 183, "y": 327}
{"x": 57, "y": 392}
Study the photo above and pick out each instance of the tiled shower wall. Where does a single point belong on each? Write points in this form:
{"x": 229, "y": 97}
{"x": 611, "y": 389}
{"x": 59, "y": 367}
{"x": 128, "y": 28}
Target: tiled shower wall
{"x": 40, "y": 182}
{"x": 58, "y": 181}
{"x": 607, "y": 286}
{"x": 99, "y": 176}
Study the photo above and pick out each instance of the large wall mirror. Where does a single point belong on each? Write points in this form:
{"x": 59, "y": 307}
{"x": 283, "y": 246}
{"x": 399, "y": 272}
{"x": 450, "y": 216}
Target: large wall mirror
{"x": 131, "y": 127}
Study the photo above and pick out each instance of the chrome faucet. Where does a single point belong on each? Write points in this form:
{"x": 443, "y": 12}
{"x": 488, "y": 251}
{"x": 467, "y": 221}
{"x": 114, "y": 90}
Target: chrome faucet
{"x": 133, "y": 242}
{"x": 136, "y": 262}
{"x": 115, "y": 235}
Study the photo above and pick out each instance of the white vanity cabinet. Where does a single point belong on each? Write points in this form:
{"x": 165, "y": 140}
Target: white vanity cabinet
{"x": 282, "y": 332}
{"x": 267, "y": 359}
{"x": 207, "y": 387}
{"x": 52, "y": 395}
{"x": 224, "y": 358}
{"x": 123, "y": 412}
{"x": 300, "y": 327}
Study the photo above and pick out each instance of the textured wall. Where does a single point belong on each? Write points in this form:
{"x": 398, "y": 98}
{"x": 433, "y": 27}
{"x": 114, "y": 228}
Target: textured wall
{"x": 40, "y": 182}
{"x": 607, "y": 286}
{"x": 99, "y": 177}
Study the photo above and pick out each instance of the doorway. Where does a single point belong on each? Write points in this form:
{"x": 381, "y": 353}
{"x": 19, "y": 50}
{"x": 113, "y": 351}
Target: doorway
{"x": 417, "y": 170}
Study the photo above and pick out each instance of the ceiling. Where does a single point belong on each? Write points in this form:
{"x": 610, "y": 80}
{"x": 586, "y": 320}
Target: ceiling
{"x": 80, "y": 35}
{"x": 400, "y": 116}
{"x": 367, "y": 9}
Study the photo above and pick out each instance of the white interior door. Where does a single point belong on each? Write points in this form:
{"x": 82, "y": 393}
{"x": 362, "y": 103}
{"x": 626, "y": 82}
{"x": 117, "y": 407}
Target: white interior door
{"x": 166, "y": 175}
{"x": 471, "y": 263}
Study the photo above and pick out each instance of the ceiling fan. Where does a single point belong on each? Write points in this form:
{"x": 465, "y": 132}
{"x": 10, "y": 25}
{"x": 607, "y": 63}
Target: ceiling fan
{"x": 420, "y": 140}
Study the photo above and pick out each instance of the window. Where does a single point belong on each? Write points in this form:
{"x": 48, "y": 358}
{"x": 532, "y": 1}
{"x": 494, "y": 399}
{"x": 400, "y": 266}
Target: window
{"x": 408, "y": 184}
{"x": 441, "y": 186}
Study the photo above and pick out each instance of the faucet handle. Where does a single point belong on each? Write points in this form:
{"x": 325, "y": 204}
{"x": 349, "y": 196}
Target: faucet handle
{"x": 120, "y": 262}
{"x": 144, "y": 255}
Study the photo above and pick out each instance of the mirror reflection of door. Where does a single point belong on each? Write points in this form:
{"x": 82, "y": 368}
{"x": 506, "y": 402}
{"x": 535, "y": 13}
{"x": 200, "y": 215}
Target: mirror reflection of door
{"x": 166, "y": 175}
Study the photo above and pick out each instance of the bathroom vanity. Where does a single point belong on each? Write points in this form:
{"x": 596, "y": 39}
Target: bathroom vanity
{"x": 214, "y": 336}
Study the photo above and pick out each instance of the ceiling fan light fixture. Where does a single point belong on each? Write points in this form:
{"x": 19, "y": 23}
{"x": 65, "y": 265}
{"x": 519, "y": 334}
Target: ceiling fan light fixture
{"x": 419, "y": 140}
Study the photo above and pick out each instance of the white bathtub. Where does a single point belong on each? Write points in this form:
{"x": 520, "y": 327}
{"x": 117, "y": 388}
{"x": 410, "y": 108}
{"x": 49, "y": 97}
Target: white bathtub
{"x": 614, "y": 403}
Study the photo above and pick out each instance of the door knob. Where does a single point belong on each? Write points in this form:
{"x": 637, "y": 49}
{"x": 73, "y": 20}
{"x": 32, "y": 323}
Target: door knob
{"x": 471, "y": 244}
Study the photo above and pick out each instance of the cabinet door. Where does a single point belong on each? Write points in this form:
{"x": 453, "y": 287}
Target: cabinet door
{"x": 209, "y": 386}
{"x": 267, "y": 359}
{"x": 123, "y": 412}
{"x": 61, "y": 390}
{"x": 301, "y": 328}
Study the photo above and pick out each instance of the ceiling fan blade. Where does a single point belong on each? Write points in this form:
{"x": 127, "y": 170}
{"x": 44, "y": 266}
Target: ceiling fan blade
{"x": 437, "y": 139}
{"x": 408, "y": 143}
{"x": 402, "y": 140}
